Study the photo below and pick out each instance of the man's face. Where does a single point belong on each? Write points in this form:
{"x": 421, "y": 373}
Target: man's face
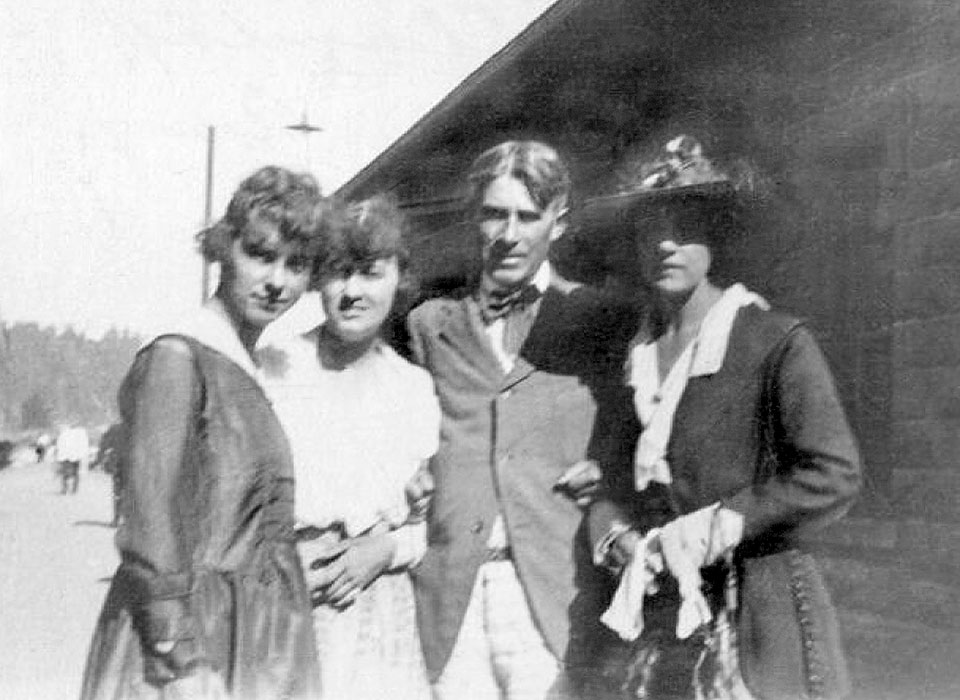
{"x": 516, "y": 232}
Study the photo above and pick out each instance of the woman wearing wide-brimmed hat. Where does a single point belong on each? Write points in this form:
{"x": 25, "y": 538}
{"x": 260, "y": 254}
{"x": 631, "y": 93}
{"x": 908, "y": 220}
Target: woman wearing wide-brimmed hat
{"x": 741, "y": 448}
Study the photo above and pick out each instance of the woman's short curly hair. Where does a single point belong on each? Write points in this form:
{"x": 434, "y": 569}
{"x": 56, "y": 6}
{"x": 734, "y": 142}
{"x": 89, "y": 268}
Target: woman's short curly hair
{"x": 292, "y": 201}
{"x": 538, "y": 166}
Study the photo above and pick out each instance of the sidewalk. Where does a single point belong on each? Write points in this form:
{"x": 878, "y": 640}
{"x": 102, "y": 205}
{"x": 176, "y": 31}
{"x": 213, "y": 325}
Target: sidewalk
{"x": 56, "y": 555}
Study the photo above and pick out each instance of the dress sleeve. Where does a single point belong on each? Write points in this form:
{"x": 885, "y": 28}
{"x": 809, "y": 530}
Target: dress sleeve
{"x": 618, "y": 505}
{"x": 410, "y": 540}
{"x": 424, "y": 435}
{"x": 160, "y": 401}
{"x": 425, "y": 417}
{"x": 612, "y": 442}
{"x": 816, "y": 473}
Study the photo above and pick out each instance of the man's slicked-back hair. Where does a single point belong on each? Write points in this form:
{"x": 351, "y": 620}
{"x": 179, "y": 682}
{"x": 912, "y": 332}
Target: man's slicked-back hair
{"x": 538, "y": 166}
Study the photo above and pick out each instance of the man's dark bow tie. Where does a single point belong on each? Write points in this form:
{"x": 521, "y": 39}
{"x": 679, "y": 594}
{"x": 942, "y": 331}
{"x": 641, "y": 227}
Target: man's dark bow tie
{"x": 497, "y": 303}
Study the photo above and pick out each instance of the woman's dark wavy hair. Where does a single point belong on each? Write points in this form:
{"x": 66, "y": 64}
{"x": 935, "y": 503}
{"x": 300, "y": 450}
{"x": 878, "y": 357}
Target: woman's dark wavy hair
{"x": 291, "y": 201}
{"x": 360, "y": 233}
{"x": 538, "y": 166}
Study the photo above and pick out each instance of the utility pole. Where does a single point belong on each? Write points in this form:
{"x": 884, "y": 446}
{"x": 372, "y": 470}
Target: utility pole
{"x": 208, "y": 210}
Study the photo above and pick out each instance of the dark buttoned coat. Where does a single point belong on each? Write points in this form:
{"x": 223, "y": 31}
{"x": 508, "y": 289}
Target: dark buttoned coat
{"x": 505, "y": 440}
{"x": 767, "y": 437}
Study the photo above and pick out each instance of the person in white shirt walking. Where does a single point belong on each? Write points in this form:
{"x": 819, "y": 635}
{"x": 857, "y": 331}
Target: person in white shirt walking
{"x": 73, "y": 448}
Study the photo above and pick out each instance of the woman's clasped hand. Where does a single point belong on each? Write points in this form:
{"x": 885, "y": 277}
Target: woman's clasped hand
{"x": 338, "y": 573}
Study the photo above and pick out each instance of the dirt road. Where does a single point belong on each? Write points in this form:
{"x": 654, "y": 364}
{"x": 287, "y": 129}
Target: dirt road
{"x": 56, "y": 558}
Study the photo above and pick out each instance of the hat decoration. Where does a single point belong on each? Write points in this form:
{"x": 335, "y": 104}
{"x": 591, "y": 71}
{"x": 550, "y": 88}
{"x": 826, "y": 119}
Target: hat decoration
{"x": 681, "y": 164}
{"x": 679, "y": 175}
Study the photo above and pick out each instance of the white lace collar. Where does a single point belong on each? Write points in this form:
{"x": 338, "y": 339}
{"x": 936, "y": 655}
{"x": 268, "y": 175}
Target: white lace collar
{"x": 211, "y": 326}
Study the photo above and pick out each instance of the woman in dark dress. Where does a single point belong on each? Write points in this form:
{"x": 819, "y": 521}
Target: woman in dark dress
{"x": 209, "y": 600}
{"x": 741, "y": 448}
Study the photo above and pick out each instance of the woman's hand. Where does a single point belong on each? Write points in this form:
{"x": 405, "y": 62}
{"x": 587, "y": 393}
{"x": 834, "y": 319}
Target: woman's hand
{"x": 338, "y": 582}
{"x": 317, "y": 555}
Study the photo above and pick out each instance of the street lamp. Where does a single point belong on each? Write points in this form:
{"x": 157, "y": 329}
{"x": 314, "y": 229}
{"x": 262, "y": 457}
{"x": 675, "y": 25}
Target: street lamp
{"x": 307, "y": 129}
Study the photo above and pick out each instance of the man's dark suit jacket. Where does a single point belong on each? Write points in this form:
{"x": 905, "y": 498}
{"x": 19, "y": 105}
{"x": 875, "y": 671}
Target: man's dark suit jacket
{"x": 505, "y": 440}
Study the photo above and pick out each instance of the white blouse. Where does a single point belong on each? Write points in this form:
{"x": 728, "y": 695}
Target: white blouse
{"x": 357, "y": 434}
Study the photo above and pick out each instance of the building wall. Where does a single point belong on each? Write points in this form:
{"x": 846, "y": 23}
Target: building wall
{"x": 851, "y": 111}
{"x": 860, "y": 105}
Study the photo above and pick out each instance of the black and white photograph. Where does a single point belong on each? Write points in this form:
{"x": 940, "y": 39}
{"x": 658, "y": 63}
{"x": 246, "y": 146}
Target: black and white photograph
{"x": 480, "y": 350}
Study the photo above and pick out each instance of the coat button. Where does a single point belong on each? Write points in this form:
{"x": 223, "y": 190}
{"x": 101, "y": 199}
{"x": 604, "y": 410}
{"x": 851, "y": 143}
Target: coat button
{"x": 477, "y": 527}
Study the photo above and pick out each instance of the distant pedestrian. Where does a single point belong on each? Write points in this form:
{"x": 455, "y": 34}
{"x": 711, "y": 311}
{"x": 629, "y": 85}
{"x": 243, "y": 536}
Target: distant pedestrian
{"x": 73, "y": 451}
{"x": 41, "y": 446}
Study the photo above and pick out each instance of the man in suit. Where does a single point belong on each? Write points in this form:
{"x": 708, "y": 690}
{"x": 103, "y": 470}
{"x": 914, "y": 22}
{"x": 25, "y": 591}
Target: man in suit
{"x": 508, "y": 599}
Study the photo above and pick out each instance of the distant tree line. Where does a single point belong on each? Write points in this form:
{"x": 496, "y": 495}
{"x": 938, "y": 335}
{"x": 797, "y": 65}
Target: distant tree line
{"x": 48, "y": 376}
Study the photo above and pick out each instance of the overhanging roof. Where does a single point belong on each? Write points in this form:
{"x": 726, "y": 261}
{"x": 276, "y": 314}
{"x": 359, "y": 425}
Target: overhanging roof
{"x": 376, "y": 174}
{"x": 597, "y": 78}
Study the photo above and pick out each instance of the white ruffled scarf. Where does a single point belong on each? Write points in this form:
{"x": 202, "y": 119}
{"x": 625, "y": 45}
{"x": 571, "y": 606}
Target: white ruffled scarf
{"x": 657, "y": 403}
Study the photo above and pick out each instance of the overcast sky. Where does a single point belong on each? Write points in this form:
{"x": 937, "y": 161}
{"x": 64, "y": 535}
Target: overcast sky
{"x": 104, "y": 108}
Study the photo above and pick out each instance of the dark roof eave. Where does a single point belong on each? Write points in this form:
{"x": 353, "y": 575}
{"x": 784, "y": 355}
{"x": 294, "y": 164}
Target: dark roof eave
{"x": 439, "y": 205}
{"x": 505, "y": 57}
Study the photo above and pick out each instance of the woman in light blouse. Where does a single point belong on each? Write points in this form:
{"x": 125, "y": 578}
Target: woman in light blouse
{"x": 361, "y": 420}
